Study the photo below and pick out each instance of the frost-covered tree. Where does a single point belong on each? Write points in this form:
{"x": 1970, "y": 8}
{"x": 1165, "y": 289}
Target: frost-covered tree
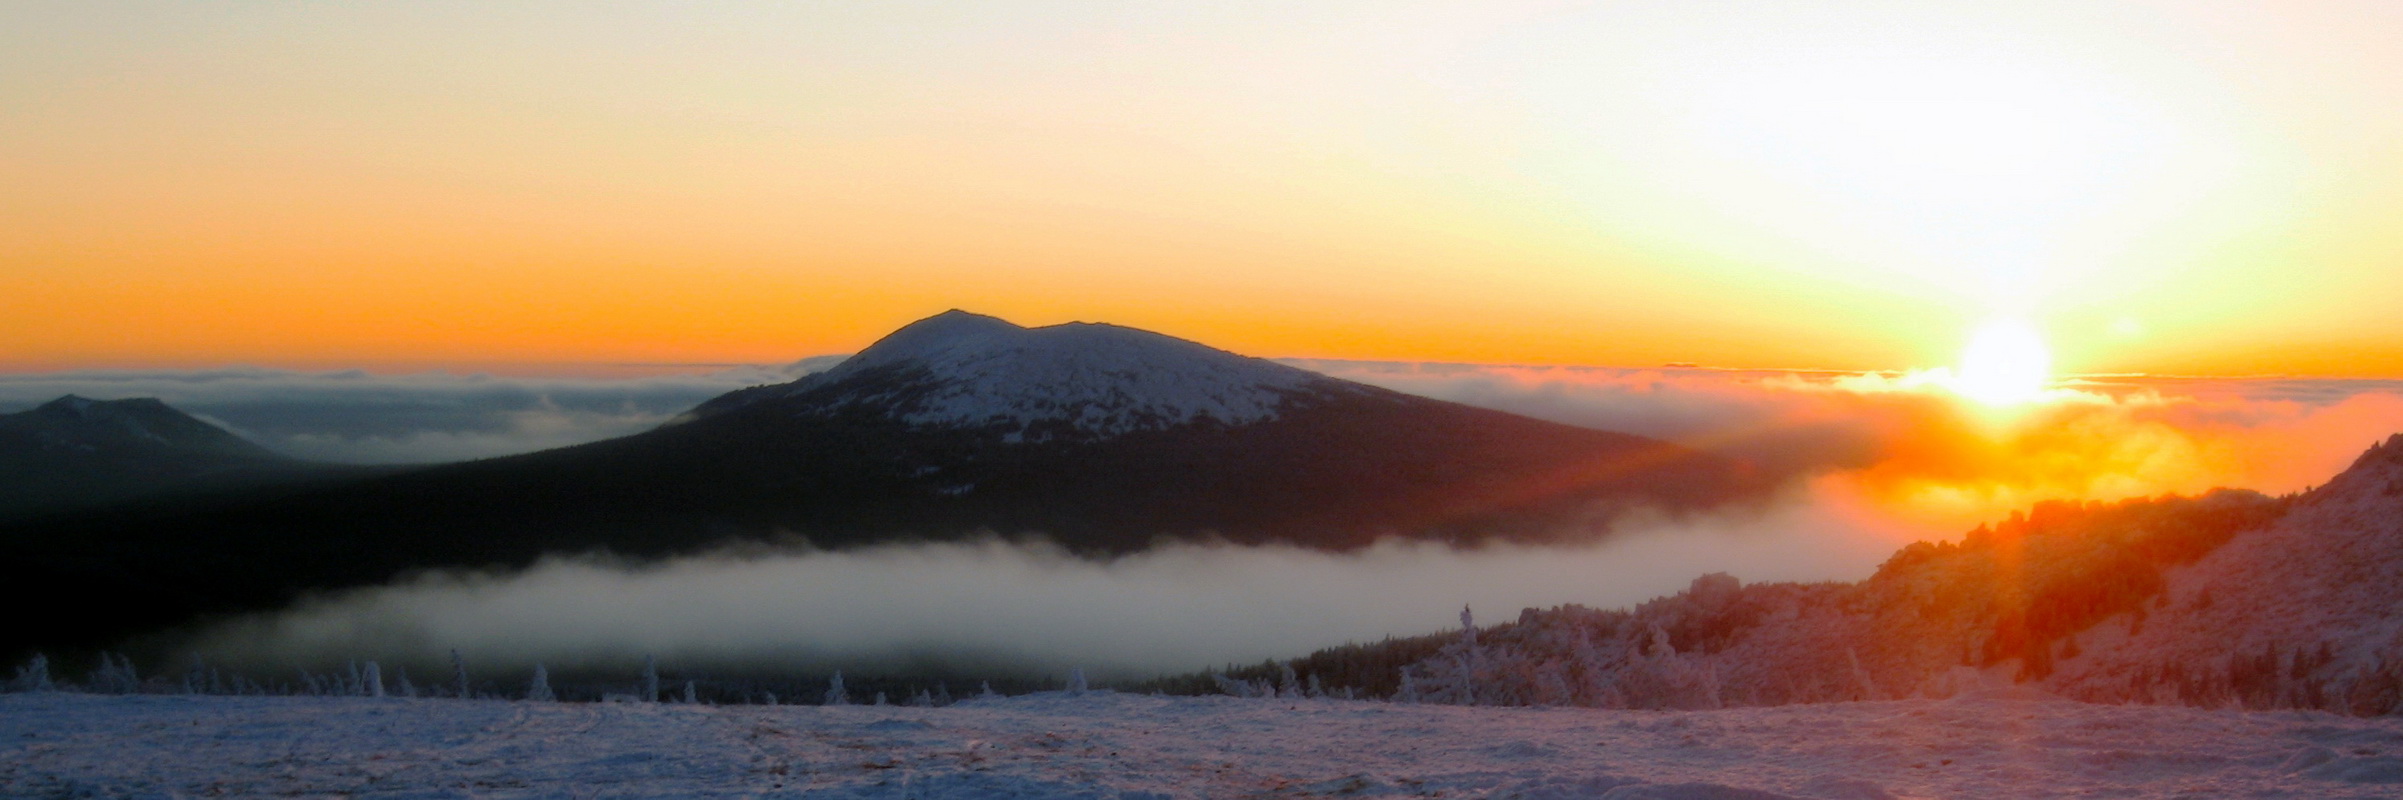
{"x": 984, "y": 691}
{"x": 942, "y": 694}
{"x": 1289, "y": 687}
{"x": 691, "y": 695}
{"x": 879, "y": 699}
{"x": 115, "y": 675}
{"x": 371, "y": 680}
{"x": 1235, "y": 687}
{"x": 196, "y": 677}
{"x": 835, "y": 696}
{"x": 540, "y": 691}
{"x": 407, "y": 689}
{"x": 650, "y": 678}
{"x": 34, "y": 676}
{"x": 1409, "y": 691}
{"x": 1076, "y": 681}
{"x": 459, "y": 675}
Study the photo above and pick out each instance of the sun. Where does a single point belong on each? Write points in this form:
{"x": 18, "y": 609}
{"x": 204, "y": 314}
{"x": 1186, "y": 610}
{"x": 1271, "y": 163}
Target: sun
{"x": 2005, "y": 364}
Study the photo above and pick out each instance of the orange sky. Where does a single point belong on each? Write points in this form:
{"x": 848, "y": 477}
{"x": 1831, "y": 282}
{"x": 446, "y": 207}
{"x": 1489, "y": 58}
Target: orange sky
{"x": 2185, "y": 187}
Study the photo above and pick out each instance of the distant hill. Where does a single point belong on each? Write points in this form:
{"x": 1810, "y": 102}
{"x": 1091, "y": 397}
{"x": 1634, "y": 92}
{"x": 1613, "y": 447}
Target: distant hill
{"x": 2229, "y": 599}
{"x": 74, "y": 452}
{"x": 1102, "y": 438}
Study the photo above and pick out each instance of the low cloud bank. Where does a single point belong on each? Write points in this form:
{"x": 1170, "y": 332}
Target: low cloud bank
{"x": 1030, "y": 606}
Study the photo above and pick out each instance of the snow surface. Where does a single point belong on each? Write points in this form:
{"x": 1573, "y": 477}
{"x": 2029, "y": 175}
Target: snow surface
{"x": 2015, "y": 744}
{"x": 970, "y": 370}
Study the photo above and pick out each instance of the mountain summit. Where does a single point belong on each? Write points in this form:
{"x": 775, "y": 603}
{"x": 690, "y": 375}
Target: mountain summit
{"x": 1079, "y": 380}
{"x": 76, "y": 451}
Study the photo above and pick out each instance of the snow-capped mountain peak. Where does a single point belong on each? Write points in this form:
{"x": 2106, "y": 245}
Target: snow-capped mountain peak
{"x": 963, "y": 370}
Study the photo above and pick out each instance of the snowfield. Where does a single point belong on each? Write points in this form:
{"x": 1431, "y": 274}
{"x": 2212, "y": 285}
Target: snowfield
{"x": 2010, "y": 743}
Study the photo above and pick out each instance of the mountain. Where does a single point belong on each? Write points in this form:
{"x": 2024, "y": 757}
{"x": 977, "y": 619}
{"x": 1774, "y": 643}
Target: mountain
{"x": 75, "y": 452}
{"x": 1099, "y": 437}
{"x": 2227, "y": 599}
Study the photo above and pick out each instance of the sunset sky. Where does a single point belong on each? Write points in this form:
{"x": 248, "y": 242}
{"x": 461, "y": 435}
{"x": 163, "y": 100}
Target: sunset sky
{"x": 2174, "y": 187}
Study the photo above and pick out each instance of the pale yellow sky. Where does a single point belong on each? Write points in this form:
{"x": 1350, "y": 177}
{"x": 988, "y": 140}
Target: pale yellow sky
{"x": 2164, "y": 187}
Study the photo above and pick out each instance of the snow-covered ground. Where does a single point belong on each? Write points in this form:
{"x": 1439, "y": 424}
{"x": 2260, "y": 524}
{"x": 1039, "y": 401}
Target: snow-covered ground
{"x": 1994, "y": 744}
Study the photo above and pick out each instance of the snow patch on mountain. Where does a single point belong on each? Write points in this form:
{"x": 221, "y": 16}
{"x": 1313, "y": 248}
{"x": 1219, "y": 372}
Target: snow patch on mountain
{"x": 963, "y": 370}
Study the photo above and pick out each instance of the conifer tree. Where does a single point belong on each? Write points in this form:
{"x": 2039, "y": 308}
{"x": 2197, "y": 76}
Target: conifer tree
{"x": 835, "y": 696}
{"x": 540, "y": 691}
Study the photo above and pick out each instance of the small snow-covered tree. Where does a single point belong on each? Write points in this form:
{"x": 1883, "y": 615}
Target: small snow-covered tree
{"x": 34, "y": 676}
{"x": 196, "y": 677}
{"x": 115, "y": 675}
{"x": 879, "y": 699}
{"x": 835, "y": 696}
{"x": 1076, "y": 681}
{"x": 1409, "y": 691}
{"x": 1551, "y": 689}
{"x": 371, "y": 680}
{"x": 942, "y": 694}
{"x": 691, "y": 696}
{"x": 540, "y": 691}
{"x": 1233, "y": 687}
{"x": 650, "y": 678}
{"x": 1289, "y": 687}
{"x": 984, "y": 691}
{"x": 407, "y": 689}
{"x": 459, "y": 675}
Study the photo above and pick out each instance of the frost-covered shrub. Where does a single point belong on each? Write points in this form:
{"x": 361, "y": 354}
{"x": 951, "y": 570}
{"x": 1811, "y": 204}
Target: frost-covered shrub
{"x": 835, "y": 696}
{"x": 115, "y": 675}
{"x": 650, "y": 678}
{"x": 1076, "y": 681}
{"x": 540, "y": 690}
{"x": 34, "y": 676}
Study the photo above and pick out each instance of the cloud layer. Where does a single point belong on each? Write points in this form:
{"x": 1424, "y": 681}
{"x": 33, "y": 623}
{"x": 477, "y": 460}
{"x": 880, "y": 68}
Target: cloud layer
{"x": 1031, "y": 607}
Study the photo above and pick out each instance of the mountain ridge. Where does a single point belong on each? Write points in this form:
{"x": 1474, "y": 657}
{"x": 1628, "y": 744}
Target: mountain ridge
{"x": 1103, "y": 439}
{"x": 76, "y": 452}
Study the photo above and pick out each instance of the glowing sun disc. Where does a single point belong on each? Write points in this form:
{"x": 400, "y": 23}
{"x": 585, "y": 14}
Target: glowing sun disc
{"x": 2005, "y": 363}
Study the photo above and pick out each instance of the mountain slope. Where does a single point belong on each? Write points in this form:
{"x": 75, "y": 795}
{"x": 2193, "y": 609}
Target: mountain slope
{"x": 2229, "y": 599}
{"x": 1100, "y": 437}
{"x": 76, "y": 452}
